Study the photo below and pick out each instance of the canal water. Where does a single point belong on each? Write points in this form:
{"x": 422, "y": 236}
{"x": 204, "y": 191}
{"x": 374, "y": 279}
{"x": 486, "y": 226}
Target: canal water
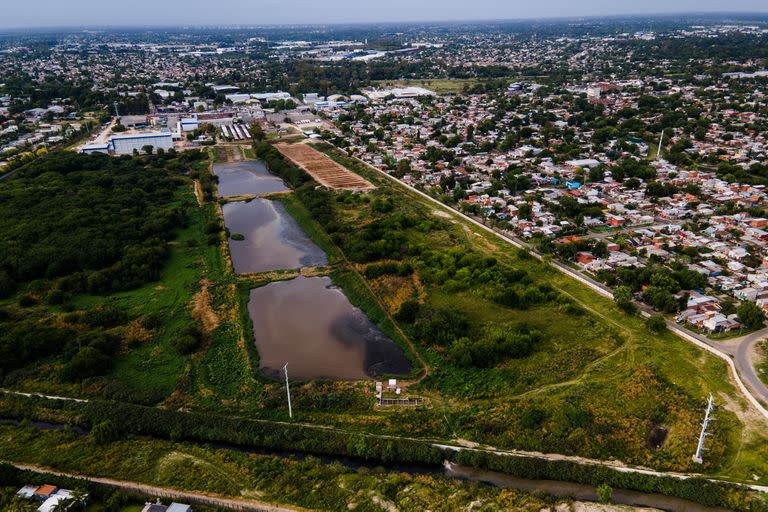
{"x": 311, "y": 325}
{"x": 273, "y": 239}
{"x": 246, "y": 178}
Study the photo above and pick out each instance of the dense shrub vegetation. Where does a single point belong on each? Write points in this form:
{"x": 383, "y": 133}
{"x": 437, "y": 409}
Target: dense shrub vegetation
{"x": 90, "y": 222}
{"x": 72, "y": 224}
{"x": 661, "y": 284}
{"x": 278, "y": 165}
{"x": 111, "y": 421}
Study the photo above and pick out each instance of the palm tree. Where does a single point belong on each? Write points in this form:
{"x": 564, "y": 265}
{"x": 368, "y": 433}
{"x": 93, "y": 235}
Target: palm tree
{"x": 79, "y": 499}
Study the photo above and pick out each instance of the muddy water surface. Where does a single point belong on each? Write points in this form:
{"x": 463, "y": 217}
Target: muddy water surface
{"x": 246, "y": 178}
{"x": 273, "y": 240}
{"x": 312, "y": 326}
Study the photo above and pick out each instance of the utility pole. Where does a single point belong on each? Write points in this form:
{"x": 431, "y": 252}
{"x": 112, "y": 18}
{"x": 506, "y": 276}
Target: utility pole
{"x": 117, "y": 112}
{"x": 288, "y": 391}
{"x": 697, "y": 458}
{"x": 661, "y": 139}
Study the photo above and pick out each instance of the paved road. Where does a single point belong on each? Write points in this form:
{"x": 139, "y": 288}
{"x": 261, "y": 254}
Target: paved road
{"x": 746, "y": 365}
{"x": 168, "y": 493}
{"x": 744, "y": 371}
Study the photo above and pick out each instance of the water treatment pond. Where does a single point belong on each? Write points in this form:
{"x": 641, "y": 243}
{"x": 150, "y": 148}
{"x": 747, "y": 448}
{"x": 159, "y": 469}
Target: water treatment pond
{"x": 312, "y": 326}
{"x": 273, "y": 239}
{"x": 246, "y": 178}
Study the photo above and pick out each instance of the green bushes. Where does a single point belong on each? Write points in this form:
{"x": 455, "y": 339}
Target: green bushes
{"x": 85, "y": 353}
{"x": 698, "y": 490}
{"x": 750, "y": 314}
{"x": 495, "y": 345}
{"x": 101, "y": 224}
{"x": 276, "y": 164}
{"x": 105, "y": 432}
{"x": 87, "y": 362}
{"x": 188, "y": 340}
{"x": 24, "y": 341}
{"x": 662, "y": 285}
{"x": 167, "y": 424}
{"x": 384, "y": 238}
{"x": 374, "y": 271}
{"x": 408, "y": 311}
{"x": 109, "y": 421}
{"x": 656, "y": 324}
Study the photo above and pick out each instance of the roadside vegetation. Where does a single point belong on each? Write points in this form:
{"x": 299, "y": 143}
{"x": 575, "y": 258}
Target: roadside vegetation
{"x": 307, "y": 482}
{"x": 551, "y": 367}
{"x": 762, "y": 364}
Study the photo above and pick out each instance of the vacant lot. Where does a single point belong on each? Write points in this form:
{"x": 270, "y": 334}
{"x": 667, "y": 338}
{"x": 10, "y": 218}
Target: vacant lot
{"x": 324, "y": 170}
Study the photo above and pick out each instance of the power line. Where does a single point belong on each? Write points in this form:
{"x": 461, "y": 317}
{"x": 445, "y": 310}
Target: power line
{"x": 288, "y": 391}
{"x": 707, "y": 418}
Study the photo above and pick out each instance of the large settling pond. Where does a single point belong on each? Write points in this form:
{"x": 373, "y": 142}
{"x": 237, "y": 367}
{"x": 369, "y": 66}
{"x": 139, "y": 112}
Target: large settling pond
{"x": 273, "y": 239}
{"x": 246, "y": 178}
{"x": 312, "y": 326}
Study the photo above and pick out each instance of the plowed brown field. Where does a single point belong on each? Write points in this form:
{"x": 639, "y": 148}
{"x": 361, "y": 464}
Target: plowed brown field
{"x": 324, "y": 170}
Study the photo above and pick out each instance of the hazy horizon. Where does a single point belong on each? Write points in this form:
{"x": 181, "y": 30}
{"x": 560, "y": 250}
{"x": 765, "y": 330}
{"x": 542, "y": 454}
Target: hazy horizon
{"x": 84, "y": 13}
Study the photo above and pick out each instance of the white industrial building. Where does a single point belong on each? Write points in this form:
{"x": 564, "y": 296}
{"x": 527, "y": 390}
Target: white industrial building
{"x": 398, "y": 92}
{"x": 126, "y": 144}
{"x": 271, "y": 96}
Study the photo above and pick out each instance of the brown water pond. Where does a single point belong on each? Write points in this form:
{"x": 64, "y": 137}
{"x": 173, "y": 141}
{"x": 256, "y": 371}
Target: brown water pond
{"x": 246, "y": 178}
{"x": 312, "y": 326}
{"x": 272, "y": 239}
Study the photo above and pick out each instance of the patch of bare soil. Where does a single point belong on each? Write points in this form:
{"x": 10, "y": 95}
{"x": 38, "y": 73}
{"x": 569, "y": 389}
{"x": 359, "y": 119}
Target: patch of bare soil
{"x": 202, "y": 310}
{"x": 323, "y": 169}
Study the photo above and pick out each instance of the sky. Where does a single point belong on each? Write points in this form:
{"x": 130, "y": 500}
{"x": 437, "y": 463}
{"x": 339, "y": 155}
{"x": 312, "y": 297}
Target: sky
{"x": 47, "y": 13}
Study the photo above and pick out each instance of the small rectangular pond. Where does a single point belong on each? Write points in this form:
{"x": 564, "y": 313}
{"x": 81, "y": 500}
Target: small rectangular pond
{"x": 273, "y": 239}
{"x": 246, "y": 178}
{"x": 311, "y": 325}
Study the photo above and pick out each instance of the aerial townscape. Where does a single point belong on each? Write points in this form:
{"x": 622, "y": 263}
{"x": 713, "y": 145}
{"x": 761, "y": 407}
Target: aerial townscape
{"x": 295, "y": 259}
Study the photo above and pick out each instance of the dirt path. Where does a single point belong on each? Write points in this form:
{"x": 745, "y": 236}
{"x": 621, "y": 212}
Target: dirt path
{"x": 453, "y": 445}
{"x": 211, "y": 500}
{"x": 199, "y": 193}
{"x": 203, "y": 311}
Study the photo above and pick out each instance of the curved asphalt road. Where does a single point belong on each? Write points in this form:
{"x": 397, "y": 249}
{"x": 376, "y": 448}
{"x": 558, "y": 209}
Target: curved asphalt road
{"x": 746, "y": 365}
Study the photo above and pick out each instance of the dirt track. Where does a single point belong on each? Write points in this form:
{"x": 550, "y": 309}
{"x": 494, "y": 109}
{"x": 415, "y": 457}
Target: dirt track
{"x": 167, "y": 493}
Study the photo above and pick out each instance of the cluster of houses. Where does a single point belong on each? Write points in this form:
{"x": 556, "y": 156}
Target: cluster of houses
{"x": 465, "y": 142}
{"x": 53, "y": 498}
{"x": 703, "y": 313}
{"x": 50, "y": 497}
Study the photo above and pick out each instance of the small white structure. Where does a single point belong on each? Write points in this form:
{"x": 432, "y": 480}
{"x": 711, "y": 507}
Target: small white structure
{"x": 159, "y": 507}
